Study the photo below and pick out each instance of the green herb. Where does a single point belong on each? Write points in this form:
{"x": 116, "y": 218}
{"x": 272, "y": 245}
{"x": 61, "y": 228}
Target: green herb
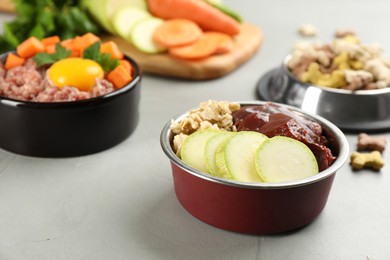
{"x": 92, "y": 53}
{"x": 44, "y": 58}
{"x": 104, "y": 59}
{"x": 42, "y": 18}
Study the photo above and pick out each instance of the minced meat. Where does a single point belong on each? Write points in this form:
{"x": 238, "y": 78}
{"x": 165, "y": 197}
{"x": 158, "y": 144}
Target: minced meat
{"x": 28, "y": 83}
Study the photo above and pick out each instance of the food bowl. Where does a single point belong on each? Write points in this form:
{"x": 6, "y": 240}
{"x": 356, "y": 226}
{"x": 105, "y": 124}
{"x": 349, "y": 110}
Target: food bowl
{"x": 257, "y": 208}
{"x": 73, "y": 128}
{"x": 354, "y": 111}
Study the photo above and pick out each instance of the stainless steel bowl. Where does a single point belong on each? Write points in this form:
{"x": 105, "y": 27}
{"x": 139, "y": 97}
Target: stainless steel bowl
{"x": 255, "y": 207}
{"x": 362, "y": 110}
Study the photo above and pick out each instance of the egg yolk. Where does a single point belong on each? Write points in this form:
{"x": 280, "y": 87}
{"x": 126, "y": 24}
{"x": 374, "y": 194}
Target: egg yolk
{"x": 76, "y": 72}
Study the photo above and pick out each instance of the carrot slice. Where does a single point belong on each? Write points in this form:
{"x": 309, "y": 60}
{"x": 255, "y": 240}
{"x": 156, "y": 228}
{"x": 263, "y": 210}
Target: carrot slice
{"x": 13, "y": 61}
{"x": 29, "y": 47}
{"x": 226, "y": 43}
{"x": 51, "y": 40}
{"x": 111, "y": 48}
{"x": 205, "y": 15}
{"x": 210, "y": 43}
{"x": 177, "y": 32}
{"x": 119, "y": 77}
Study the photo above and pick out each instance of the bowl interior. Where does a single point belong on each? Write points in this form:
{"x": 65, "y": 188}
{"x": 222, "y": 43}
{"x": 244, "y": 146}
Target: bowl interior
{"x": 291, "y": 75}
{"x": 137, "y": 75}
{"x": 337, "y": 143}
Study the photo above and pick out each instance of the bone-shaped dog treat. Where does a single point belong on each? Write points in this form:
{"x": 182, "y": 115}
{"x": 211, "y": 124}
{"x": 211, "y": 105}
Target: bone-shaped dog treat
{"x": 371, "y": 143}
{"x": 371, "y": 160}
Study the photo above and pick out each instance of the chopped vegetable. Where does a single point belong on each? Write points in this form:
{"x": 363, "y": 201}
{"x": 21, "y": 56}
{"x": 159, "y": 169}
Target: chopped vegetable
{"x": 142, "y": 35}
{"x": 298, "y": 160}
{"x": 126, "y": 64}
{"x": 13, "y": 60}
{"x": 205, "y": 15}
{"x": 50, "y": 49}
{"x": 51, "y": 40}
{"x": 30, "y": 47}
{"x": 210, "y": 43}
{"x": 119, "y": 77}
{"x": 103, "y": 11}
{"x": 80, "y": 43}
{"x": 111, "y": 48}
{"x": 226, "y": 43}
{"x": 177, "y": 32}
{"x": 68, "y": 44}
{"x": 124, "y": 19}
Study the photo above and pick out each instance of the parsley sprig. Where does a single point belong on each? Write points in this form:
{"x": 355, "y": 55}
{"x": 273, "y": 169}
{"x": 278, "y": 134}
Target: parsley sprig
{"x": 92, "y": 53}
{"x": 104, "y": 59}
{"x": 44, "y": 58}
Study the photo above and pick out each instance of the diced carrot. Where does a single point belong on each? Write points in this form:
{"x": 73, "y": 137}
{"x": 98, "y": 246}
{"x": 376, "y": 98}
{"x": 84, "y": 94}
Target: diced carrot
{"x": 68, "y": 44}
{"x": 127, "y": 65}
{"x": 29, "y": 47}
{"x": 207, "y": 45}
{"x": 80, "y": 43}
{"x": 51, "y": 40}
{"x": 205, "y": 15}
{"x": 50, "y": 49}
{"x": 177, "y": 32}
{"x": 91, "y": 37}
{"x": 111, "y": 48}
{"x": 119, "y": 77}
{"x": 13, "y": 61}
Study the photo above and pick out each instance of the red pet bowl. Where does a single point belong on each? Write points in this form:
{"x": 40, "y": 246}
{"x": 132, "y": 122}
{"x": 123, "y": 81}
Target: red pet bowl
{"x": 258, "y": 208}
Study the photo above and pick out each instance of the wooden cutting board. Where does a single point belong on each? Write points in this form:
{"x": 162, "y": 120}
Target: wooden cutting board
{"x": 7, "y": 6}
{"x": 247, "y": 44}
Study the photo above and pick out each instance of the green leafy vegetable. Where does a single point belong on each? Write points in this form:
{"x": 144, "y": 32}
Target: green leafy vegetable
{"x": 42, "y": 18}
{"x": 104, "y": 59}
{"x": 44, "y": 58}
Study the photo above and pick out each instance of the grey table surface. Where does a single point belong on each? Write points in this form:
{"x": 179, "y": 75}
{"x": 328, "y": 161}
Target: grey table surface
{"x": 120, "y": 203}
